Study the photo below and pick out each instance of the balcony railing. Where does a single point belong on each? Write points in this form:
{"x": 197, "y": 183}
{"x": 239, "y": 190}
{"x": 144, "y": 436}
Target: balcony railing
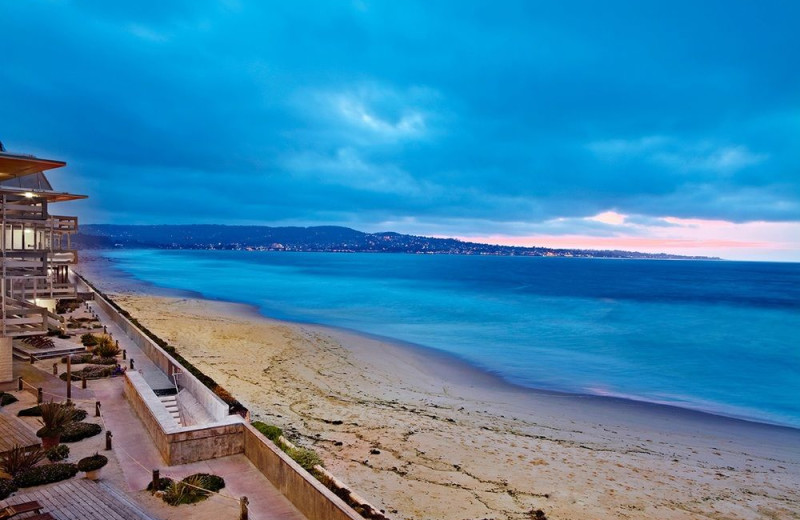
{"x": 63, "y": 224}
{"x": 23, "y": 319}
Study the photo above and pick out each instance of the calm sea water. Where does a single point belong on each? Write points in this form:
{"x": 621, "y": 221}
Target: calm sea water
{"x": 722, "y": 337}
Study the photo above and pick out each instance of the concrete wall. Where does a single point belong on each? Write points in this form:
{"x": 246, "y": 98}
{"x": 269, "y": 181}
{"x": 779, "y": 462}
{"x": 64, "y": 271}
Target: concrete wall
{"x": 216, "y": 407}
{"x": 181, "y": 445}
{"x": 305, "y": 492}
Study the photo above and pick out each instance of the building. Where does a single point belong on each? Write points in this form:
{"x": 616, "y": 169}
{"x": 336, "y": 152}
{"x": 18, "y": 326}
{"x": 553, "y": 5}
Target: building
{"x": 36, "y": 251}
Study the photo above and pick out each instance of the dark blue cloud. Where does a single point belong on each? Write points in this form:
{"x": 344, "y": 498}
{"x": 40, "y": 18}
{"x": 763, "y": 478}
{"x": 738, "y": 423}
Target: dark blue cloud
{"x": 468, "y": 117}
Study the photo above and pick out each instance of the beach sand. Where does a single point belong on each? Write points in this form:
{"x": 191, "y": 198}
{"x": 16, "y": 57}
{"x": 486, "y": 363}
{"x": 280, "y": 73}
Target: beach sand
{"x": 426, "y": 436}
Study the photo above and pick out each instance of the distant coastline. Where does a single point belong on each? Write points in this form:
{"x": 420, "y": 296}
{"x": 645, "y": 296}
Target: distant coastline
{"x": 323, "y": 239}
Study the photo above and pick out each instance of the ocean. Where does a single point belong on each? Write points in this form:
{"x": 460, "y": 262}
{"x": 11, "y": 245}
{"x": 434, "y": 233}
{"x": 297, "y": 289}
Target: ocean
{"x": 719, "y": 337}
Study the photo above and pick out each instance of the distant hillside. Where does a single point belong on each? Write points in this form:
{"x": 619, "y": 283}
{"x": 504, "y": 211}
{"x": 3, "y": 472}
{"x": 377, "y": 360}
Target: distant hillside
{"x": 311, "y": 239}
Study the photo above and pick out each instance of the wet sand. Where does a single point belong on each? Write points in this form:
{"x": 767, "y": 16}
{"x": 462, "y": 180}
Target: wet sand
{"x": 424, "y": 435}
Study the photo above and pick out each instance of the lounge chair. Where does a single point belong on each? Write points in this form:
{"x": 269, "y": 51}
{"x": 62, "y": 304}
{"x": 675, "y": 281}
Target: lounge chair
{"x": 18, "y": 509}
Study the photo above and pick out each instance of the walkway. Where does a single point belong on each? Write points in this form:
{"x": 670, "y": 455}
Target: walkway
{"x": 151, "y": 373}
{"x": 81, "y": 499}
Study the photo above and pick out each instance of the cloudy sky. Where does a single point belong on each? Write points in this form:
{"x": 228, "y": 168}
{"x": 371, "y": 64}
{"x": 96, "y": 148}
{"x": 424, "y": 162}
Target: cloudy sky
{"x": 654, "y": 126}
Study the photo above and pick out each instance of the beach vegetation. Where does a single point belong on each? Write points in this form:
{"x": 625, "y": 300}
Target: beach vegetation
{"x": 46, "y": 474}
{"x": 307, "y": 458}
{"x": 65, "y": 306}
{"x": 269, "y": 431}
{"x": 20, "y": 458}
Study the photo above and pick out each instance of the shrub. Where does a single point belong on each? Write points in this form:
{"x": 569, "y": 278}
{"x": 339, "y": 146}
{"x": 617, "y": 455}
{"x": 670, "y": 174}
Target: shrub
{"x": 19, "y": 459}
{"x": 65, "y": 306}
{"x": 90, "y": 372}
{"x": 89, "y": 340}
{"x": 186, "y": 491}
{"x": 78, "y": 359}
{"x": 55, "y": 418}
{"x": 78, "y": 414}
{"x": 210, "y": 482}
{"x": 271, "y": 432}
{"x": 305, "y": 457}
{"x": 6, "y": 488}
{"x": 45, "y": 474}
{"x": 79, "y": 431}
{"x": 163, "y": 484}
{"x": 104, "y": 361}
{"x": 93, "y": 462}
{"x": 6, "y": 399}
{"x": 57, "y": 453}
{"x": 53, "y": 332}
{"x": 105, "y": 347}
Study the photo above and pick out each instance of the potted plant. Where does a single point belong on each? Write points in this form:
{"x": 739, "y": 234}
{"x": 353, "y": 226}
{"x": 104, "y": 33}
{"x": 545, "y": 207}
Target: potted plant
{"x": 92, "y": 465}
{"x": 55, "y": 417}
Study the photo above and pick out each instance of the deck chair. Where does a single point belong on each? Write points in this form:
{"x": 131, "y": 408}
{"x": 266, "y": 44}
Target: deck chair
{"x": 18, "y": 509}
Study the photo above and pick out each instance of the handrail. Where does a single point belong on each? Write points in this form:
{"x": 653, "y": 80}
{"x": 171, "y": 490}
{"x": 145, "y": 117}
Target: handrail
{"x": 177, "y": 402}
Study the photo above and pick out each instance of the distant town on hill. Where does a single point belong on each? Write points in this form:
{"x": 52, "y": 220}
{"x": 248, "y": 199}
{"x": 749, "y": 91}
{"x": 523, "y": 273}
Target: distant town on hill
{"x": 315, "y": 239}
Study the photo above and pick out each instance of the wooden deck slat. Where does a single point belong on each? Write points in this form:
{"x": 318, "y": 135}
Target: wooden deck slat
{"x": 79, "y": 499}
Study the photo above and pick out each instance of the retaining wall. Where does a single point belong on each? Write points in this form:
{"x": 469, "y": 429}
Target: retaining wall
{"x": 216, "y": 407}
{"x": 182, "y": 444}
{"x": 305, "y": 492}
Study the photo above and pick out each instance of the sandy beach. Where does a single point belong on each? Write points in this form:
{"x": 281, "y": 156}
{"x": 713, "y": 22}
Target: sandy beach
{"x": 426, "y": 436}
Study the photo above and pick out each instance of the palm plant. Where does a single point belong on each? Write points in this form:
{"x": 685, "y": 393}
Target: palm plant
{"x": 20, "y": 458}
{"x": 55, "y": 418}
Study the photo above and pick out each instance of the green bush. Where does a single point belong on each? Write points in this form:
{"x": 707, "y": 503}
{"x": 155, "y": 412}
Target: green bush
{"x": 186, "y": 491}
{"x": 78, "y": 359}
{"x": 57, "y": 453}
{"x": 39, "y": 475}
{"x": 305, "y": 457}
{"x": 80, "y": 430}
{"x": 93, "y": 462}
{"x": 78, "y": 414}
{"x": 105, "y": 347}
{"x": 6, "y": 488}
{"x": 163, "y": 484}
{"x": 104, "y": 361}
{"x": 89, "y": 340}
{"x": 269, "y": 431}
{"x": 6, "y": 399}
{"x": 210, "y": 482}
{"x": 90, "y": 372}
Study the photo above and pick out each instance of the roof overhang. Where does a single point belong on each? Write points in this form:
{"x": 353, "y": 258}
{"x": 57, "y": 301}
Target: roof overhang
{"x": 12, "y": 166}
{"x": 49, "y": 196}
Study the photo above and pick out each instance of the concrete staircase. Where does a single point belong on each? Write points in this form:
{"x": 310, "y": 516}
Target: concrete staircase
{"x": 171, "y": 404}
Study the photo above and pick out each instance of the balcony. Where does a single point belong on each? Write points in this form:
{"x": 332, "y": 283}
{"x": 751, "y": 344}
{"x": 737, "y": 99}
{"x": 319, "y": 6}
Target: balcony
{"x": 23, "y": 319}
{"x": 62, "y": 224}
{"x": 32, "y": 288}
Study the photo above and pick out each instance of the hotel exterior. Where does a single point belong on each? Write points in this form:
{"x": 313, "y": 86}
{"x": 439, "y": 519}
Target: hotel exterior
{"x": 36, "y": 251}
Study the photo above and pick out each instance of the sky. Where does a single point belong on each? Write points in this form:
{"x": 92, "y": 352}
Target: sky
{"x": 652, "y": 126}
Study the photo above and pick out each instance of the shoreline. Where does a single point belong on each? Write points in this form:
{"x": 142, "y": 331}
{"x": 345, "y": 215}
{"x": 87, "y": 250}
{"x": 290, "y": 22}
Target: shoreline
{"x": 454, "y": 441}
{"x": 137, "y": 285}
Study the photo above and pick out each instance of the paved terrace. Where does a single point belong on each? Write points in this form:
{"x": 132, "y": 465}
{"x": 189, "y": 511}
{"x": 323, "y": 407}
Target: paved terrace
{"x": 137, "y": 455}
